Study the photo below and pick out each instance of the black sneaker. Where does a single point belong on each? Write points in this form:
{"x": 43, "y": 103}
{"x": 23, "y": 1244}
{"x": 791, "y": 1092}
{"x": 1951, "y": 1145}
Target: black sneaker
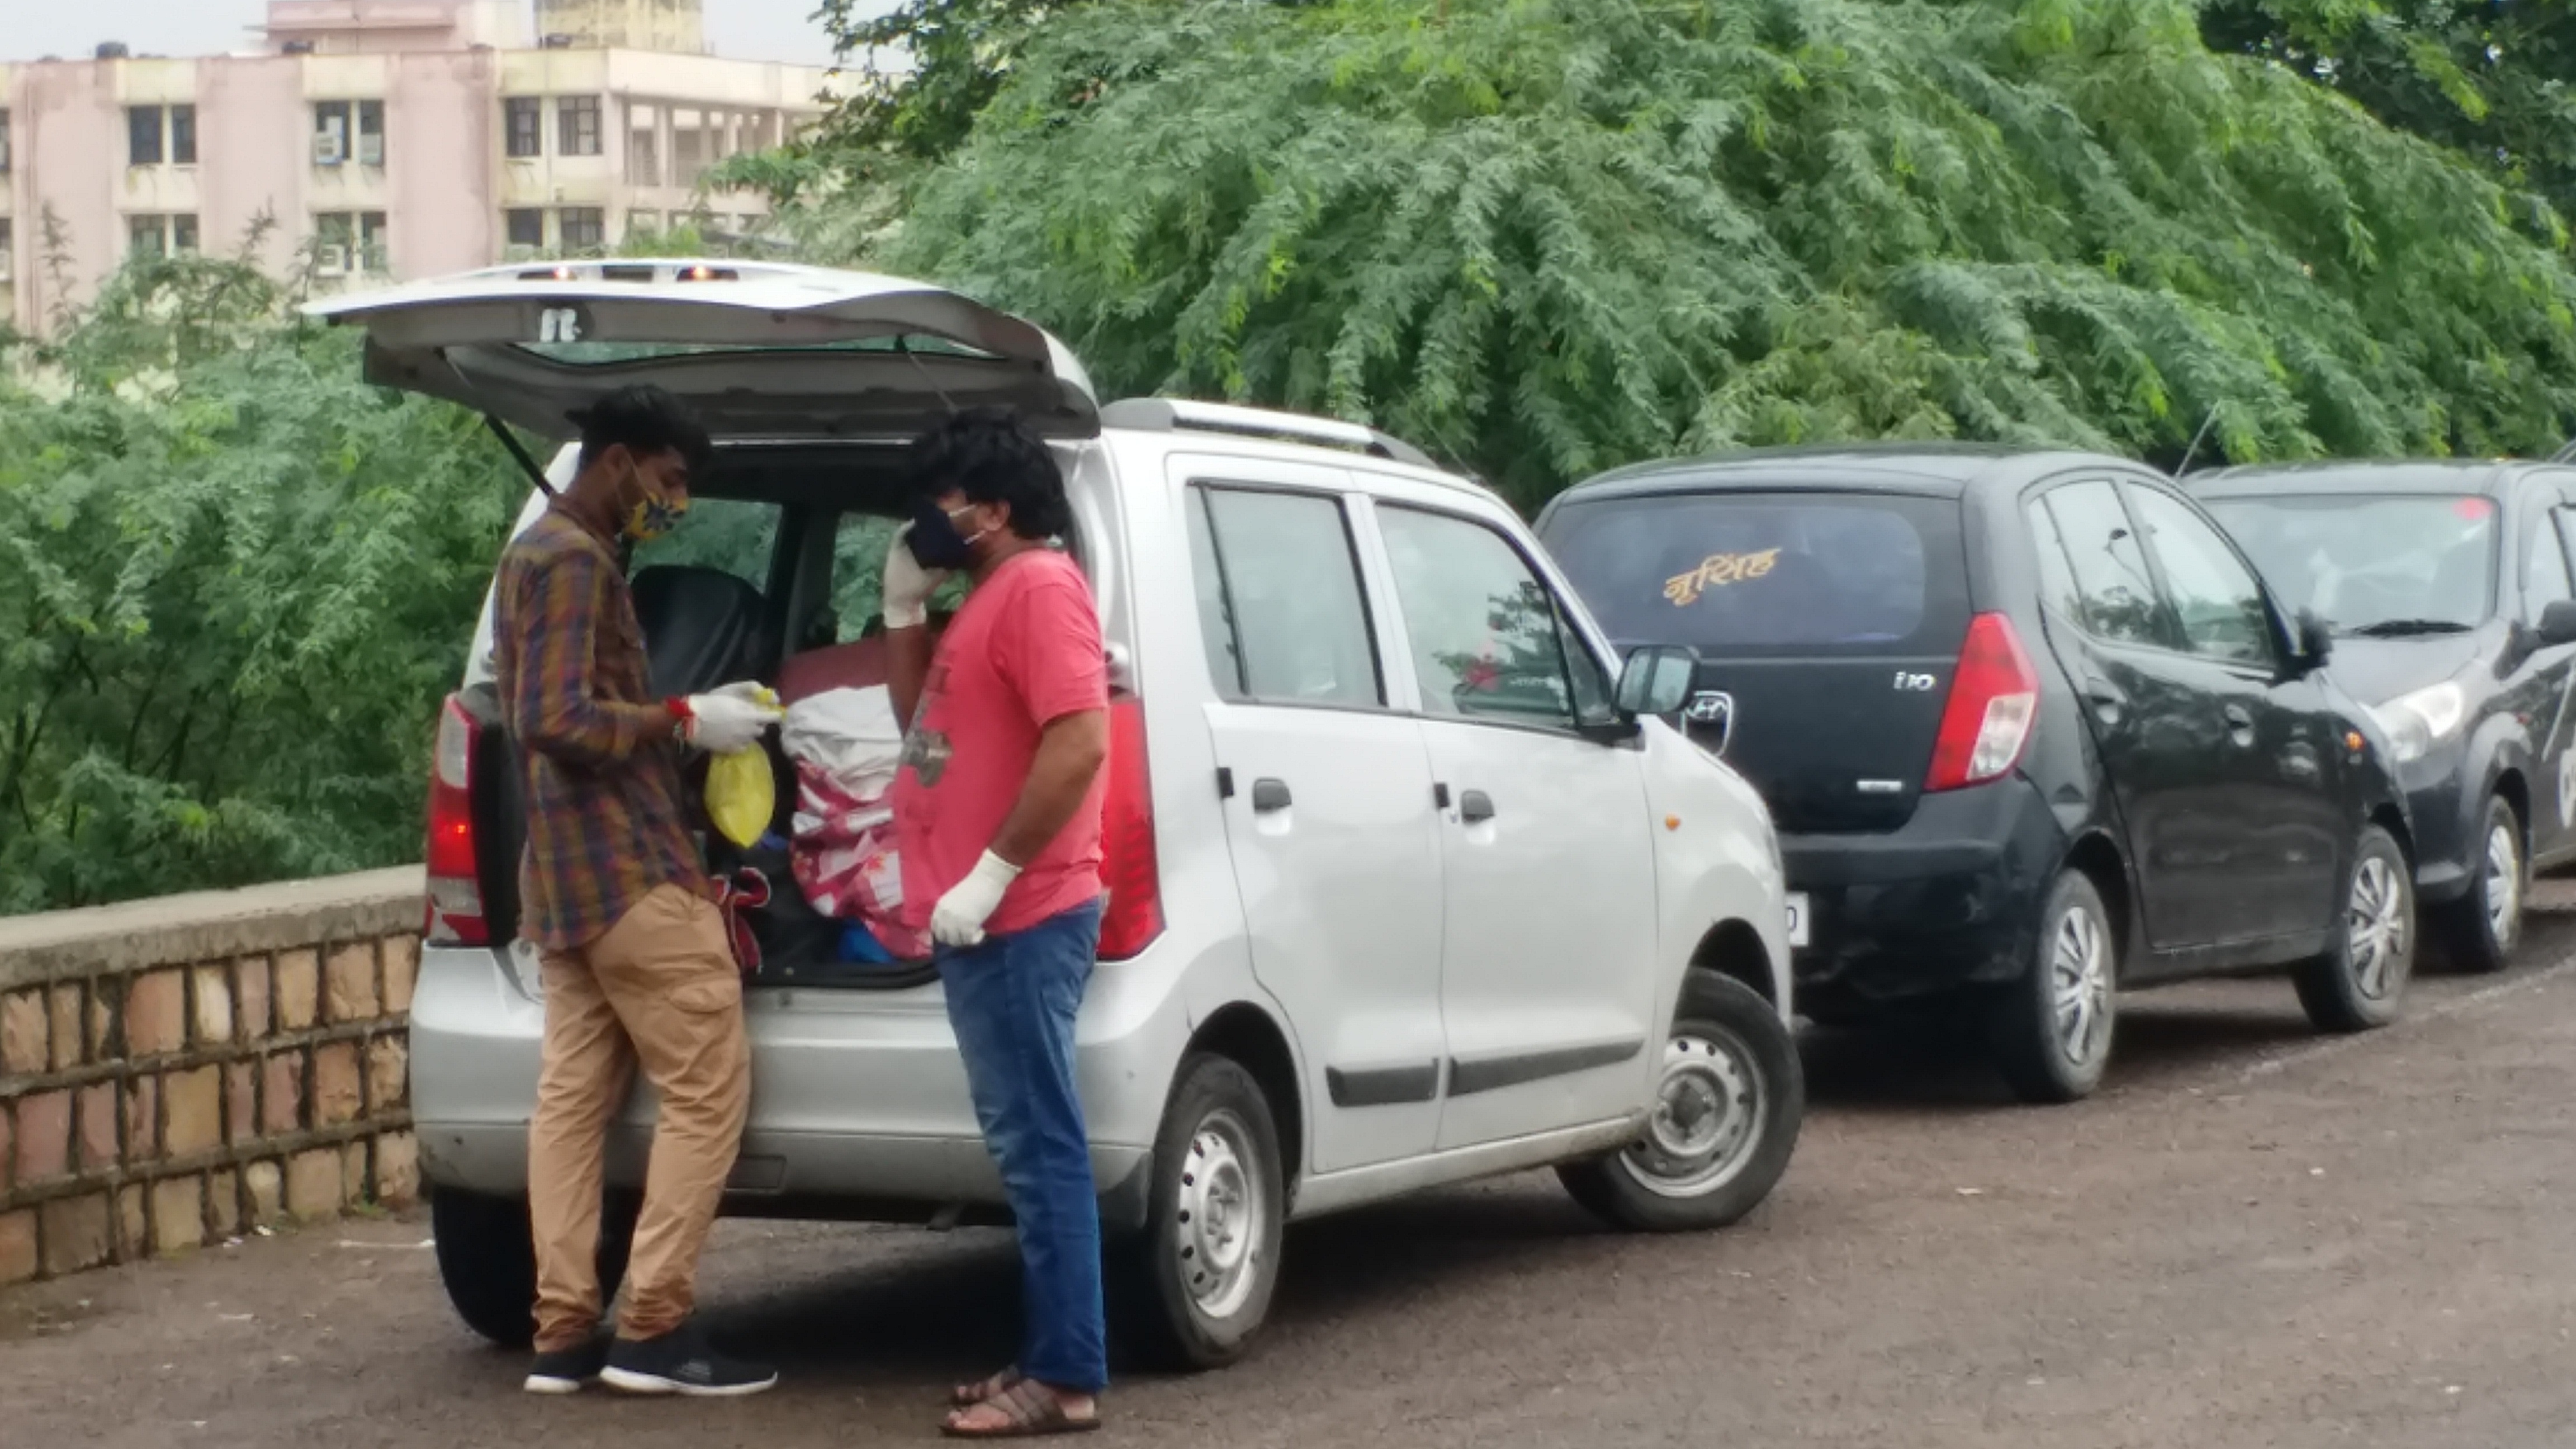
{"x": 681, "y": 1362}
{"x": 565, "y": 1370}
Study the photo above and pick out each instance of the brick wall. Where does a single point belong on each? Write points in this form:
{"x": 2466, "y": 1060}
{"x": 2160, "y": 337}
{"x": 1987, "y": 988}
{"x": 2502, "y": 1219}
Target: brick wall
{"x": 176, "y": 1072}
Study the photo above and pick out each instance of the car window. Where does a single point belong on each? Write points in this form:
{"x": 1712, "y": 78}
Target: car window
{"x": 2107, "y": 589}
{"x": 1809, "y": 574}
{"x": 2544, "y": 574}
{"x": 1488, "y": 639}
{"x": 1279, "y": 598}
{"x": 859, "y": 544}
{"x": 2371, "y": 563}
{"x": 731, "y": 534}
{"x": 2215, "y": 596}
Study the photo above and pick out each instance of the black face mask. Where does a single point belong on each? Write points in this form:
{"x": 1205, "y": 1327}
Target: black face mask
{"x": 935, "y": 541}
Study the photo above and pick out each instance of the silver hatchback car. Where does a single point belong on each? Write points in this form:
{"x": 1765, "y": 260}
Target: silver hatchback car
{"x": 1409, "y": 879}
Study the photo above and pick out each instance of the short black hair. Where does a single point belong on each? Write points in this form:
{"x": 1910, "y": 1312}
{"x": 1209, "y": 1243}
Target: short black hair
{"x": 646, "y": 420}
{"x": 992, "y": 455}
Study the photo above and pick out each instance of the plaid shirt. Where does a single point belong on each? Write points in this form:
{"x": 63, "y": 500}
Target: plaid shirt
{"x": 600, "y": 755}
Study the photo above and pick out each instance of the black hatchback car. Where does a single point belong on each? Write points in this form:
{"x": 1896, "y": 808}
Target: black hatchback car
{"x": 2447, "y": 587}
{"x": 2030, "y": 728}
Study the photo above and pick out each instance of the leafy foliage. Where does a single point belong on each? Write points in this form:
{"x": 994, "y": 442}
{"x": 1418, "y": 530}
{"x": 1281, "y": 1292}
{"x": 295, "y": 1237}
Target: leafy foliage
{"x": 234, "y": 581}
{"x": 1547, "y": 236}
{"x": 2494, "y": 78}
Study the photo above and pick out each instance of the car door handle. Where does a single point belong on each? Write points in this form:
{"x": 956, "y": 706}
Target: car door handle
{"x": 2107, "y": 699}
{"x": 1269, "y": 796}
{"x": 1475, "y": 807}
{"x": 2240, "y": 724}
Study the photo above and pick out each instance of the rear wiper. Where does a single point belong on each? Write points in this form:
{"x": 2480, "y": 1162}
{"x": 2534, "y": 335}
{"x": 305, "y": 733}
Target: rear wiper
{"x": 2408, "y": 628}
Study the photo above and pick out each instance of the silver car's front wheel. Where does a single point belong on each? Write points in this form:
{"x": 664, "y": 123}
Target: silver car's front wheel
{"x": 1729, "y": 1100}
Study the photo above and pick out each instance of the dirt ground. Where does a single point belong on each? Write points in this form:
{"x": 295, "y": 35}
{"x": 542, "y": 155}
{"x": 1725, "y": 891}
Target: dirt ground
{"x": 2253, "y": 1236}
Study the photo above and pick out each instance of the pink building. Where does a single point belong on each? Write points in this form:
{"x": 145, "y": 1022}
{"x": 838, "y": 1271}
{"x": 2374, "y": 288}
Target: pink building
{"x": 384, "y": 139}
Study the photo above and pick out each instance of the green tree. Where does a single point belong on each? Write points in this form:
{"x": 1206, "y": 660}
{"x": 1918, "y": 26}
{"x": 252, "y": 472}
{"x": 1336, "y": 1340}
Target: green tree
{"x": 2494, "y": 79}
{"x": 1546, "y": 236}
{"x": 234, "y": 582}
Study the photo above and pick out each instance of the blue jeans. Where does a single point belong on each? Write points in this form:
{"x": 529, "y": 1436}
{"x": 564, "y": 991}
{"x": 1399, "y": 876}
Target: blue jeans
{"x": 1012, "y": 1001}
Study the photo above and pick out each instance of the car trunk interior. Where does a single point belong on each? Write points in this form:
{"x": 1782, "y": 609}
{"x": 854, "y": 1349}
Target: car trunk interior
{"x": 745, "y": 589}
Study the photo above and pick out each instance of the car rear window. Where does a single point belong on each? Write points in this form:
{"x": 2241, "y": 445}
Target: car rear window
{"x": 1769, "y": 573}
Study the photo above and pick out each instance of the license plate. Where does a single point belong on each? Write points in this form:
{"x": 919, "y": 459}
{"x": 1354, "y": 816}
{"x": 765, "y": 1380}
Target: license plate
{"x": 1798, "y": 918}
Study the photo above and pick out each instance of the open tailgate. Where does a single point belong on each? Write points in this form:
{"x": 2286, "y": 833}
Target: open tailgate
{"x": 760, "y": 350}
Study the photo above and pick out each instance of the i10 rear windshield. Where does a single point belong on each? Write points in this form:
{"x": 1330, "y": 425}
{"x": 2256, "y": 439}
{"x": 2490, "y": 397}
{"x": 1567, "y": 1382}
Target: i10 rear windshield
{"x": 1809, "y": 573}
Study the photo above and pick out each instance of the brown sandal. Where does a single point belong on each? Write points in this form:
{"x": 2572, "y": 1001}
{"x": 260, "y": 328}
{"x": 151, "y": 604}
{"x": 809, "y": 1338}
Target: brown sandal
{"x": 1030, "y": 1411}
{"x": 984, "y": 1391}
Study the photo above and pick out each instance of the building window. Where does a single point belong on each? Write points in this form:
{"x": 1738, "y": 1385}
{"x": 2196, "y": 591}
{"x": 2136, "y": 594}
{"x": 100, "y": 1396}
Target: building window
{"x": 519, "y": 117}
{"x": 346, "y": 131}
{"x": 8, "y": 250}
{"x": 525, "y": 226}
{"x": 160, "y": 236}
{"x": 583, "y": 228}
{"x": 349, "y": 242}
{"x": 577, "y": 126}
{"x": 183, "y": 135}
{"x": 143, "y": 126}
{"x": 4, "y": 143}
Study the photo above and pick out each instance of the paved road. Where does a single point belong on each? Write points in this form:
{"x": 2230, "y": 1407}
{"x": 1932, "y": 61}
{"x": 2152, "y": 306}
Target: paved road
{"x": 2252, "y": 1237}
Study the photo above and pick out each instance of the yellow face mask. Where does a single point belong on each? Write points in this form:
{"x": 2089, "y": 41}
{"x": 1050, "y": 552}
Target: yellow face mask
{"x": 653, "y": 515}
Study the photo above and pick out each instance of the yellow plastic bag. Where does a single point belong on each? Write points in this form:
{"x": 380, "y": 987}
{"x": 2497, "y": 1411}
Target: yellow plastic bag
{"x": 742, "y": 795}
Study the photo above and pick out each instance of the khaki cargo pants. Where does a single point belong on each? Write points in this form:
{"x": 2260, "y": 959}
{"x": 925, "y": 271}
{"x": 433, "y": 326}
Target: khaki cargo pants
{"x": 660, "y": 989}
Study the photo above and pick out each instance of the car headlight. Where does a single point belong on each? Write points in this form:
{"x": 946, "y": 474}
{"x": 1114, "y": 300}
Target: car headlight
{"x": 2417, "y": 722}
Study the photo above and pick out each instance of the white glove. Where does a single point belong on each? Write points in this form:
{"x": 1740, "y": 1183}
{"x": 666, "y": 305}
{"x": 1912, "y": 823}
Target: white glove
{"x": 731, "y": 719}
{"x": 958, "y": 920}
{"x": 908, "y": 586}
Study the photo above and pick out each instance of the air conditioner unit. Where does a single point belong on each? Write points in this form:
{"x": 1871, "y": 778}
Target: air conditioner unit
{"x": 371, "y": 150}
{"x": 331, "y": 261}
{"x": 328, "y": 150}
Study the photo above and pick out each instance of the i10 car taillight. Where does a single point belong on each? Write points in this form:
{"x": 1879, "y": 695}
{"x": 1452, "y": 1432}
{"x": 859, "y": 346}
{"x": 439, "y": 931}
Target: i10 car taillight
{"x": 1994, "y": 697}
{"x": 455, "y": 885}
{"x": 1130, "y": 871}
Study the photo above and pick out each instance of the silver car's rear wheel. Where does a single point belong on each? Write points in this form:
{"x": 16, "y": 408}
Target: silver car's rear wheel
{"x": 1191, "y": 1290}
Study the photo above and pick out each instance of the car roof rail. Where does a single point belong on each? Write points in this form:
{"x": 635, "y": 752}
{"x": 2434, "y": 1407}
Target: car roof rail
{"x": 1170, "y": 415}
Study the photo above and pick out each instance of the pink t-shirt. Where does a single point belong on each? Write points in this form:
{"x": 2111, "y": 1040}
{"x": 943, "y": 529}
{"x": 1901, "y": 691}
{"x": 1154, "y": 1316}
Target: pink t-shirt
{"x": 1023, "y": 652}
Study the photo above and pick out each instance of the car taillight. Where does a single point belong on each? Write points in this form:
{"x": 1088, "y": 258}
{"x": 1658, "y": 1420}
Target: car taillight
{"x": 1993, "y": 698}
{"x": 1130, "y": 872}
{"x": 455, "y": 884}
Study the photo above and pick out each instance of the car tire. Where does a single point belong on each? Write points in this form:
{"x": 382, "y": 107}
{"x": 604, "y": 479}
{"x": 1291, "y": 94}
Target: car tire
{"x": 2051, "y": 1031}
{"x": 1189, "y": 1292}
{"x": 2480, "y": 930}
{"x": 1729, "y": 1101}
{"x": 2359, "y": 982}
{"x": 487, "y": 1258}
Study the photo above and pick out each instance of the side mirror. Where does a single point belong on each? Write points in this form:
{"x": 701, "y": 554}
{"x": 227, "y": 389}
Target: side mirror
{"x": 2316, "y": 642}
{"x": 2557, "y": 623}
{"x": 1656, "y": 680}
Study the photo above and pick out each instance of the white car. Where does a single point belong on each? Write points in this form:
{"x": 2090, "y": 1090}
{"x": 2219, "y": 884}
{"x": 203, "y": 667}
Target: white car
{"x": 1410, "y": 882}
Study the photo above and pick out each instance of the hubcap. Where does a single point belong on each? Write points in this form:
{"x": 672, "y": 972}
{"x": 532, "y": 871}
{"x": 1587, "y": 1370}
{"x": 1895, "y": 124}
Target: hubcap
{"x": 2504, "y": 885}
{"x": 1707, "y": 1118}
{"x": 1221, "y": 1216}
{"x": 2079, "y": 981}
{"x": 2378, "y": 917}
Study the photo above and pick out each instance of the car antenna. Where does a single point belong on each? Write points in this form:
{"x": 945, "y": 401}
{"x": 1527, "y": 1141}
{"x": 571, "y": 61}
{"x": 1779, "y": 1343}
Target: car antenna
{"x": 2207, "y": 421}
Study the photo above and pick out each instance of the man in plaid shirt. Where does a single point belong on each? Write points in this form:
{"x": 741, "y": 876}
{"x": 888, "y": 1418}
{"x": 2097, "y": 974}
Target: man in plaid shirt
{"x": 637, "y": 965}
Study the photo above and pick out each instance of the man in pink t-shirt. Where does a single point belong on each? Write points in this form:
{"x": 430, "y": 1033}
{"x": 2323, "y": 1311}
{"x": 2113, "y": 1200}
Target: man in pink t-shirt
{"x": 997, "y": 820}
